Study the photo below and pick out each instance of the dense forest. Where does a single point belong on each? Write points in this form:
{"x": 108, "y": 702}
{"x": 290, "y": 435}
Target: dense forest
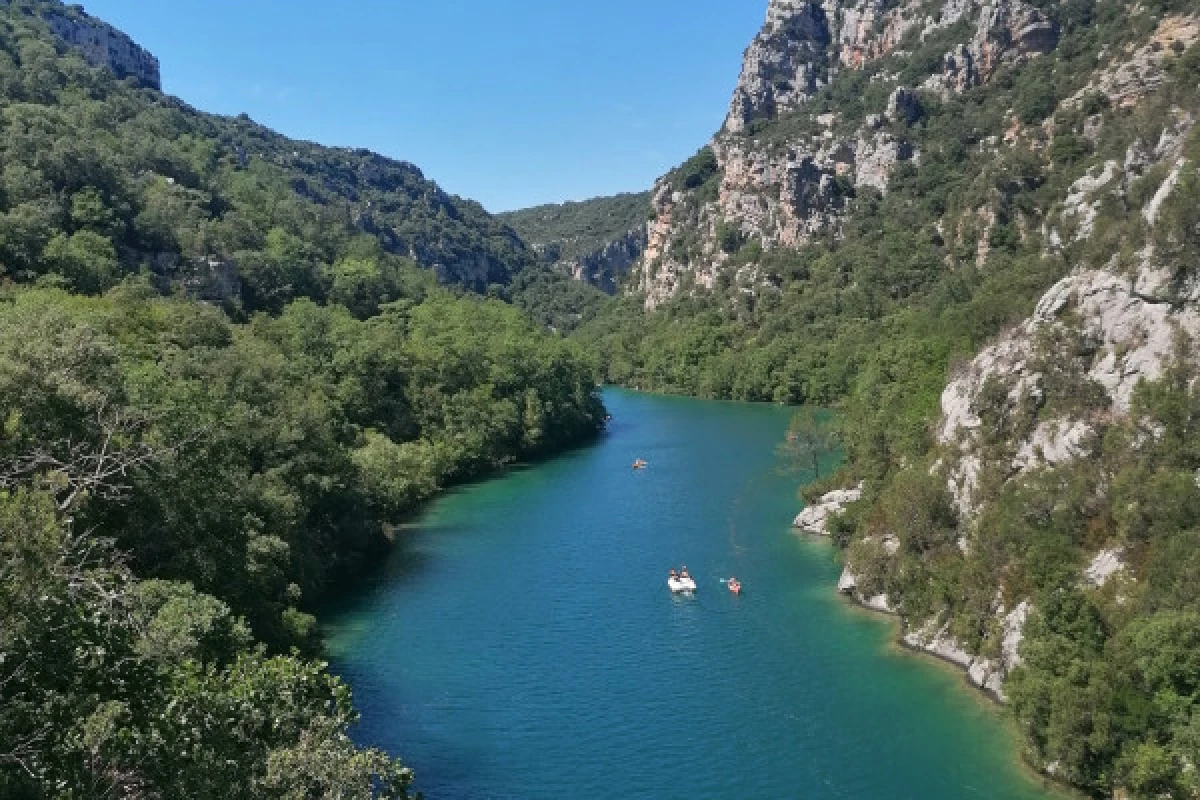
{"x": 181, "y": 481}
{"x": 231, "y": 363}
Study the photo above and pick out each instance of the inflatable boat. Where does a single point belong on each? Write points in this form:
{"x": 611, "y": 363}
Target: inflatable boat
{"x": 680, "y": 585}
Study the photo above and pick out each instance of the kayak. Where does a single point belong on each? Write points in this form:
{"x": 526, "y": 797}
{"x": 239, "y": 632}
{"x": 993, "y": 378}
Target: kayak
{"x": 681, "y": 585}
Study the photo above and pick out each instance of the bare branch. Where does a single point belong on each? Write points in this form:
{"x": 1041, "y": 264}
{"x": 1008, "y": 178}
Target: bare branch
{"x": 86, "y": 468}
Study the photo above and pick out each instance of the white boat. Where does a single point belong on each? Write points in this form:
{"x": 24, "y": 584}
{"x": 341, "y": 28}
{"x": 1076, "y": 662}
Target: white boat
{"x": 681, "y": 585}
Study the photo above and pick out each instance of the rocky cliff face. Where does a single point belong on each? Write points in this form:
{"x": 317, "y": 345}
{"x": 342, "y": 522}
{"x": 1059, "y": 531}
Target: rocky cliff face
{"x": 785, "y": 166}
{"x": 606, "y": 267}
{"x": 1045, "y": 394}
{"x": 785, "y": 64}
{"x": 100, "y": 44}
{"x": 593, "y": 241}
{"x": 1128, "y": 320}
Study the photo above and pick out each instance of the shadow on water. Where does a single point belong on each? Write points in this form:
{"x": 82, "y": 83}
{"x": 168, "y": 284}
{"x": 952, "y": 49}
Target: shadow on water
{"x": 399, "y": 560}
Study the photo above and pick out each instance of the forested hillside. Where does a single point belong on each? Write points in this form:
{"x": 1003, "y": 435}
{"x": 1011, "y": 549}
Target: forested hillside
{"x": 568, "y": 231}
{"x": 973, "y": 227}
{"x": 103, "y": 178}
{"x": 181, "y": 481}
{"x": 596, "y": 241}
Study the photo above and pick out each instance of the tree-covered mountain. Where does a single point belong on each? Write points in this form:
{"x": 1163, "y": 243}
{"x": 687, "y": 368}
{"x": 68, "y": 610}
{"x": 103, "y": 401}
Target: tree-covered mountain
{"x": 973, "y": 227}
{"x": 181, "y": 481}
{"x": 596, "y": 241}
{"x": 105, "y": 178}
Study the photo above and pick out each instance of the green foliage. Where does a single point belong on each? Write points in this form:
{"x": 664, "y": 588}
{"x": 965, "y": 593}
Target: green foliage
{"x": 810, "y": 439}
{"x": 1177, "y": 237}
{"x": 567, "y": 231}
{"x": 696, "y": 171}
{"x": 1109, "y": 690}
{"x": 102, "y": 180}
{"x": 1068, "y": 149}
{"x": 110, "y": 687}
{"x": 243, "y": 469}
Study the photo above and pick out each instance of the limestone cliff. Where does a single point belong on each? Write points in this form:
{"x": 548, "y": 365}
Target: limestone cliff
{"x": 788, "y": 157}
{"x": 99, "y": 43}
{"x": 606, "y": 267}
{"x": 1046, "y": 393}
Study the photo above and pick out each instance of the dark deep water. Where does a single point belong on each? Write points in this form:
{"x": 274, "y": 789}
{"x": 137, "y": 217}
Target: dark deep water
{"x": 524, "y": 645}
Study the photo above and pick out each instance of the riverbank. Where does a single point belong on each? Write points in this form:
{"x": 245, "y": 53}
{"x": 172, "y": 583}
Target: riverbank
{"x": 371, "y": 569}
{"x": 987, "y": 700}
{"x": 980, "y": 675}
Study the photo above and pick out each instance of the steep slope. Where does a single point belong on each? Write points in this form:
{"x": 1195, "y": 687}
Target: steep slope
{"x": 99, "y": 43}
{"x": 595, "y": 241}
{"x": 825, "y": 107}
{"x": 129, "y": 180}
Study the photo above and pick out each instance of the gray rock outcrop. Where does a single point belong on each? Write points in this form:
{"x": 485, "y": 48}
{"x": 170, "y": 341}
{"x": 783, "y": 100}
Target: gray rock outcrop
{"x": 777, "y": 197}
{"x": 1134, "y": 333}
{"x": 1104, "y": 565}
{"x": 784, "y": 65}
{"x": 606, "y": 267}
{"x": 1130, "y": 77}
{"x": 1006, "y": 32}
{"x": 904, "y": 106}
{"x": 815, "y": 518}
{"x": 100, "y": 44}
{"x": 988, "y": 674}
{"x": 848, "y": 585}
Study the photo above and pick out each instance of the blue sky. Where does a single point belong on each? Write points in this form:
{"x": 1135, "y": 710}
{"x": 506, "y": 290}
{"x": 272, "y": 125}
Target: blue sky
{"x": 510, "y": 102}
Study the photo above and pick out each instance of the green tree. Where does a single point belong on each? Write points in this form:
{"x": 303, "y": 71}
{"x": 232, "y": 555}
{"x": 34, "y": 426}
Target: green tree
{"x": 86, "y": 259}
{"x": 811, "y": 437}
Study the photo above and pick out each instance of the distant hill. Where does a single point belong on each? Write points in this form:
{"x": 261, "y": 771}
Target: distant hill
{"x": 595, "y": 241}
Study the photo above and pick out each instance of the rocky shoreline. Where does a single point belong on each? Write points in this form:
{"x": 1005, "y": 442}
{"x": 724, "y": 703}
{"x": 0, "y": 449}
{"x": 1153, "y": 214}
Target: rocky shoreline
{"x": 933, "y": 638}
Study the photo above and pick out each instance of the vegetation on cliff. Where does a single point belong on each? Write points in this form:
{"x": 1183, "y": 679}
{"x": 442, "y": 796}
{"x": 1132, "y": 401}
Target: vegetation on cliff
{"x": 568, "y": 231}
{"x": 104, "y": 179}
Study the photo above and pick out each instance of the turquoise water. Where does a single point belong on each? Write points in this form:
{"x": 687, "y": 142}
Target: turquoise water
{"x": 523, "y": 644}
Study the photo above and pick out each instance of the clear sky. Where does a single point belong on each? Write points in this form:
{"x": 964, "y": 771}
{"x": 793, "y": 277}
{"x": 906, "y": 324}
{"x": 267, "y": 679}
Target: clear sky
{"x": 510, "y": 102}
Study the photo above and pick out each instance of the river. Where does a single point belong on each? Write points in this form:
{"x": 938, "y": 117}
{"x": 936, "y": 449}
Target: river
{"x": 522, "y": 643}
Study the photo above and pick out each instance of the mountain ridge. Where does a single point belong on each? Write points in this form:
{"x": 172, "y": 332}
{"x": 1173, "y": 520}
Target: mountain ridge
{"x": 595, "y": 241}
{"x": 189, "y": 212}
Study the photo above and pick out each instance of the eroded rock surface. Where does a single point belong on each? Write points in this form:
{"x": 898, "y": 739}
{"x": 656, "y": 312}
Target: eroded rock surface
{"x": 100, "y": 44}
{"x": 815, "y": 518}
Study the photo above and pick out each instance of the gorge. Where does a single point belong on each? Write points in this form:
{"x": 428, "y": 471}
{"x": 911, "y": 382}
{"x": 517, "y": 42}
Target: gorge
{"x": 236, "y": 367}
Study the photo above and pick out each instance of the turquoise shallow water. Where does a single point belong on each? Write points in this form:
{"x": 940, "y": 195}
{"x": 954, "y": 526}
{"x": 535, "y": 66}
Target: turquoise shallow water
{"x": 522, "y": 643}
